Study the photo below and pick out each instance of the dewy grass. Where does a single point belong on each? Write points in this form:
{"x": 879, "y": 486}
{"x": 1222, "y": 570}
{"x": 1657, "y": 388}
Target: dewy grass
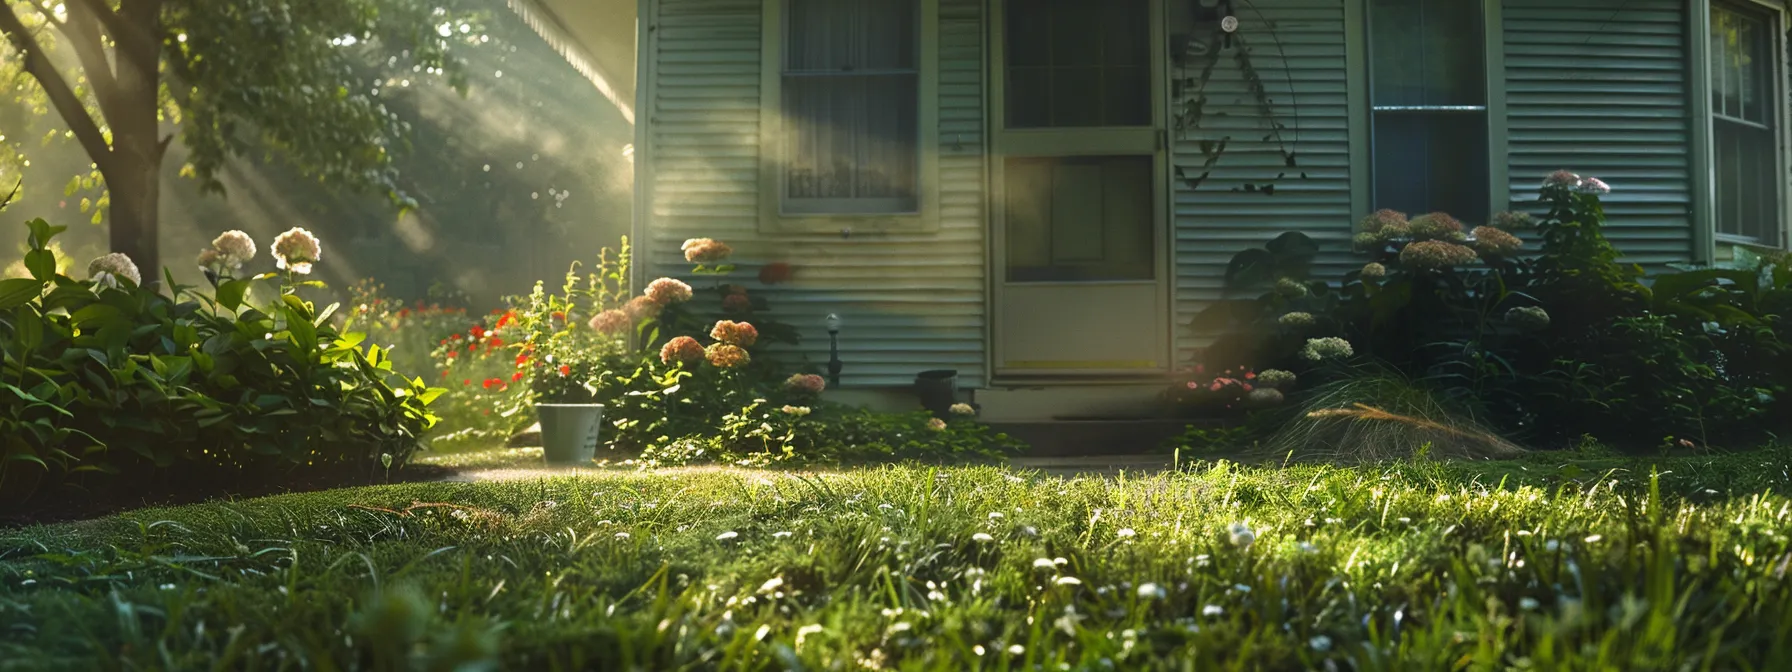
{"x": 1407, "y": 566}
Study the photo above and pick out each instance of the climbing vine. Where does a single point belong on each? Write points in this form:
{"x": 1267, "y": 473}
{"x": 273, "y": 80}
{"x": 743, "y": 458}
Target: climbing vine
{"x": 1193, "y": 97}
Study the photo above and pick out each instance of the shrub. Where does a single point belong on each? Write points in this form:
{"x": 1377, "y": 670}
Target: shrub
{"x": 1569, "y": 342}
{"x": 762, "y": 433}
{"x": 207, "y": 389}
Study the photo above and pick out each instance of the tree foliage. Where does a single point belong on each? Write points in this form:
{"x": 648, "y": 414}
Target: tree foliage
{"x": 129, "y": 76}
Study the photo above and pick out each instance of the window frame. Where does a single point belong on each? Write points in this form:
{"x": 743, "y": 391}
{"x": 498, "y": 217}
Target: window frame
{"x": 773, "y": 216}
{"x": 1364, "y": 112}
{"x": 1706, "y": 118}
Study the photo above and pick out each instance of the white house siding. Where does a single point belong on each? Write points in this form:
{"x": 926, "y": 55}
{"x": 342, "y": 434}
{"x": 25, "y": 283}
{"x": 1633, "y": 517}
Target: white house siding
{"x": 1600, "y": 88}
{"x": 1298, "y": 49}
{"x": 909, "y": 302}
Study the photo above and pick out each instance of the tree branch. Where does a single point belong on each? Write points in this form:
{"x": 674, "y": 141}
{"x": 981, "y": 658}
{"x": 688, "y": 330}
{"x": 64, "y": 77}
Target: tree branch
{"x": 45, "y": 11}
{"x": 107, "y": 17}
{"x": 56, "y": 88}
{"x": 84, "y": 35}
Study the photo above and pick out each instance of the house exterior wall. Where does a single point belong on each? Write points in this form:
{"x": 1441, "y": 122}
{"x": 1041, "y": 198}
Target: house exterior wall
{"x": 1600, "y": 87}
{"x": 908, "y": 301}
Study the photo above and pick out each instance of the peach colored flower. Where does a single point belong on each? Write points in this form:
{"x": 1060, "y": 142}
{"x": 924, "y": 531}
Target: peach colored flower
{"x": 106, "y": 270}
{"x": 807, "y": 383}
{"x": 667, "y": 291}
{"x": 1562, "y": 179}
{"x": 727, "y": 356}
{"x": 682, "y": 349}
{"x": 1436, "y": 226}
{"x": 1593, "y": 185}
{"x": 611, "y": 322}
{"x": 1381, "y": 220}
{"x": 1494, "y": 242}
{"x": 735, "y": 333}
{"x": 936, "y": 424}
{"x": 736, "y": 303}
{"x": 297, "y": 250}
{"x": 1374, "y": 271}
{"x": 705, "y": 250}
{"x": 1436, "y": 254}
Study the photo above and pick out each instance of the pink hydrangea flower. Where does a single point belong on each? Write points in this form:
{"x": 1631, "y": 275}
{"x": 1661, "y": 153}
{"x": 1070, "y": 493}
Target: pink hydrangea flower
{"x": 611, "y": 322}
{"x": 1494, "y": 242}
{"x": 1593, "y": 185}
{"x": 727, "y": 356}
{"x": 682, "y": 349}
{"x": 705, "y": 250}
{"x": 807, "y": 383}
{"x": 735, "y": 333}
{"x": 667, "y": 291}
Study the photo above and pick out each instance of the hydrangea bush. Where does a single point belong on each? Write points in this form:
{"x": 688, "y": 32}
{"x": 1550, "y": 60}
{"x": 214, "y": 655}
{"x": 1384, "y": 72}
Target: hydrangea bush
{"x": 204, "y": 391}
{"x": 1547, "y": 340}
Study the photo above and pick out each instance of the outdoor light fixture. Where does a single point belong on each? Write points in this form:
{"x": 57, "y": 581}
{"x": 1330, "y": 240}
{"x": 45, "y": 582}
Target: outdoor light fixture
{"x": 834, "y": 363}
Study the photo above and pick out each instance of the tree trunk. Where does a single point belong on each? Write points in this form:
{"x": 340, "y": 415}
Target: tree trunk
{"x": 134, "y": 177}
{"x": 136, "y": 196}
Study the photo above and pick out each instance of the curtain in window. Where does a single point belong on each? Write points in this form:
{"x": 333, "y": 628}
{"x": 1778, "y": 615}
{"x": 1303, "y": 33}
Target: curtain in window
{"x": 851, "y": 105}
{"x": 1744, "y": 127}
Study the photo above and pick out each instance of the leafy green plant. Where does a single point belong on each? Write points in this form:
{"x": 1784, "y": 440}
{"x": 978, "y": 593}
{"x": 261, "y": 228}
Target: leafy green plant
{"x": 1378, "y": 414}
{"x": 761, "y": 434}
{"x": 207, "y": 390}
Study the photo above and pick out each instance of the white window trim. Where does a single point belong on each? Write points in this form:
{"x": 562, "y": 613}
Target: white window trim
{"x": 1706, "y": 235}
{"x": 772, "y": 216}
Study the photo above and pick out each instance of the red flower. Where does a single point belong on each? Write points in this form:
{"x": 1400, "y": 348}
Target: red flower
{"x": 522, "y": 359}
{"x": 774, "y": 273}
{"x": 1215, "y": 387}
{"x": 477, "y": 331}
{"x": 472, "y": 346}
{"x": 453, "y": 353}
{"x": 468, "y": 381}
{"x": 1247, "y": 387}
{"x": 489, "y": 382}
{"x": 495, "y": 342}
{"x": 404, "y": 312}
{"x": 515, "y": 377}
{"x": 444, "y": 341}
{"x": 508, "y": 316}
{"x": 559, "y": 315}
{"x": 444, "y": 373}
{"x": 1250, "y": 376}
{"x": 565, "y": 369}
{"x": 455, "y": 337}
{"x": 1200, "y": 369}
{"x": 1193, "y": 384}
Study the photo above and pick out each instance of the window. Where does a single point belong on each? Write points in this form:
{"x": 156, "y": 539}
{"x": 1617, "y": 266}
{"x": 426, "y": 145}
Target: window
{"x": 1074, "y": 63}
{"x": 1428, "y": 107}
{"x": 1745, "y": 124}
{"x": 850, "y": 85}
{"x": 1079, "y": 219}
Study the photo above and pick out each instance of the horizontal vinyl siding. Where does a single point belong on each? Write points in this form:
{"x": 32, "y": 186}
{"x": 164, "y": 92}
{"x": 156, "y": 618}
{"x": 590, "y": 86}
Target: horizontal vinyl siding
{"x": 1297, "y": 49}
{"x": 1601, "y": 88}
{"x": 908, "y": 302}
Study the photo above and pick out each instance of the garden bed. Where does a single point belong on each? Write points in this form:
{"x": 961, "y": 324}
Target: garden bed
{"x": 1435, "y": 564}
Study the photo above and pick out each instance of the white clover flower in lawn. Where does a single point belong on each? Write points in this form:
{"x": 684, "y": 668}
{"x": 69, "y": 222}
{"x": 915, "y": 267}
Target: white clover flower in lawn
{"x": 1320, "y": 643}
{"x": 1331, "y": 347}
{"x": 1308, "y": 547}
{"x": 1212, "y": 610}
{"x": 1241, "y": 535}
{"x": 108, "y": 269}
{"x": 235, "y": 248}
{"x": 727, "y": 536}
{"x": 1069, "y": 581}
{"x": 1126, "y": 533}
{"x": 982, "y": 537}
{"x": 296, "y": 250}
{"x": 1151, "y": 591}
{"x": 1044, "y": 563}
{"x": 771, "y": 585}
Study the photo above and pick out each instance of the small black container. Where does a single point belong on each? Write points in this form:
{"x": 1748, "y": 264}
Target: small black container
{"x": 938, "y": 391}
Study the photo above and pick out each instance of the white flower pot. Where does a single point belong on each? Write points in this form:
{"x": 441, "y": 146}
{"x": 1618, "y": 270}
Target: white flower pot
{"x": 569, "y": 432}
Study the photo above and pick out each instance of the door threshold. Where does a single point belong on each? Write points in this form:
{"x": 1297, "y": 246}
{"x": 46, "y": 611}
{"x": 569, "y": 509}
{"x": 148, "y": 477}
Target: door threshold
{"x": 1117, "y": 380}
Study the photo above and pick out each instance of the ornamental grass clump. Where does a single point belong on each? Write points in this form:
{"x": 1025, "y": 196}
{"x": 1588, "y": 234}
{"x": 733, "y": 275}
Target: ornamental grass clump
{"x": 1378, "y": 414}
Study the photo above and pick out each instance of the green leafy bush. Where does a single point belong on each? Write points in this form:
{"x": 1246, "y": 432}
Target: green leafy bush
{"x": 761, "y": 434}
{"x": 1549, "y": 347}
{"x": 104, "y": 378}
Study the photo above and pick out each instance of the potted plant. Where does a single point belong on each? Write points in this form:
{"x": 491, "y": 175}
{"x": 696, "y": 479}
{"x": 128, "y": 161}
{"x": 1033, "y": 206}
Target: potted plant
{"x": 566, "y": 402}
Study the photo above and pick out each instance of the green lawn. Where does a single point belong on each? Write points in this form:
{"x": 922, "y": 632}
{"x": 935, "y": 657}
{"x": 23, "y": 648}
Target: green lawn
{"x": 1413, "y": 566}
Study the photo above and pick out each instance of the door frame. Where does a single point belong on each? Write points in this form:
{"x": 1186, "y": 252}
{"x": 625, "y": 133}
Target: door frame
{"x": 1004, "y": 143}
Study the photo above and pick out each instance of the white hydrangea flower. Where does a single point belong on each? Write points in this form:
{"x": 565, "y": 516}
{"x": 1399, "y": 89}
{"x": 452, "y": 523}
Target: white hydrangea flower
{"x": 297, "y": 250}
{"x": 235, "y": 248}
{"x": 108, "y": 269}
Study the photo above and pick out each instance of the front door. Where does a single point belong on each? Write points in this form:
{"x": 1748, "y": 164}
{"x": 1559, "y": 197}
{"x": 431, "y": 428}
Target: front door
{"x": 1079, "y": 226}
